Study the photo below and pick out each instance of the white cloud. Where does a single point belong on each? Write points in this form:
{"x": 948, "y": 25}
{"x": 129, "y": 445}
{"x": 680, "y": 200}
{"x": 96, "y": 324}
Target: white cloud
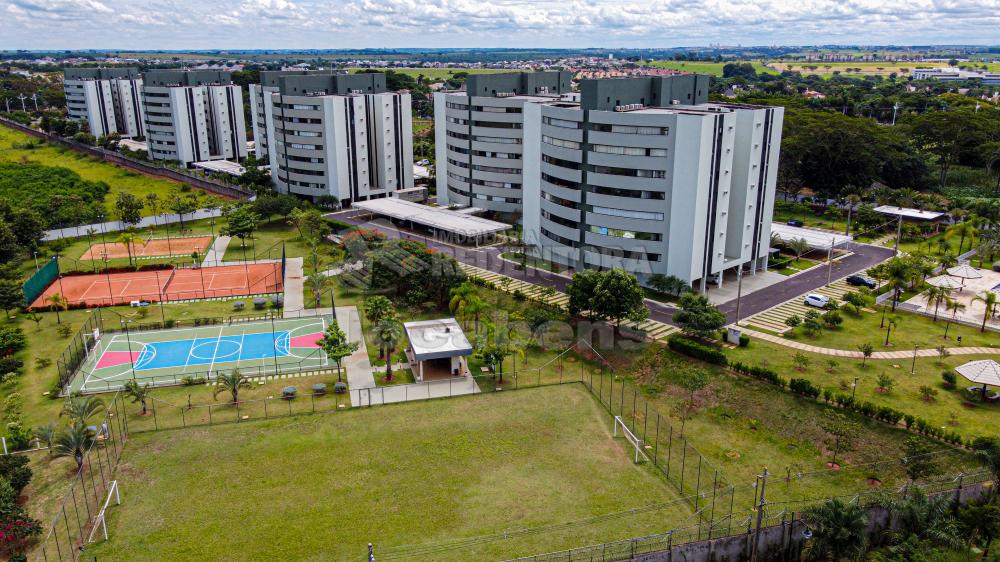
{"x": 175, "y": 24}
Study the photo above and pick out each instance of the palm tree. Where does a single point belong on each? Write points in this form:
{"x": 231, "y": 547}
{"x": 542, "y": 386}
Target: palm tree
{"x": 839, "y": 530}
{"x": 74, "y": 441}
{"x": 990, "y": 456}
{"x": 964, "y": 229}
{"x": 378, "y": 307}
{"x": 947, "y": 260}
{"x": 900, "y": 274}
{"x": 388, "y": 333}
{"x": 46, "y": 434}
{"x": 461, "y": 298}
{"x": 928, "y": 519}
{"x": 937, "y": 295}
{"x": 129, "y": 238}
{"x": 57, "y": 301}
{"x": 955, "y": 307}
{"x": 988, "y": 298}
{"x": 852, "y": 201}
{"x": 799, "y": 246}
{"x": 317, "y": 282}
{"x": 82, "y": 408}
{"x": 231, "y": 383}
{"x": 138, "y": 393}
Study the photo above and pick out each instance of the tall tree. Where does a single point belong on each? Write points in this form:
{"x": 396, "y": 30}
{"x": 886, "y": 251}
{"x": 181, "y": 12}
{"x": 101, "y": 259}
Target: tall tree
{"x": 336, "y": 346}
{"x": 618, "y": 295}
{"x": 128, "y": 208}
{"x": 241, "y": 222}
{"x": 989, "y": 300}
{"x": 581, "y": 291}
{"x": 839, "y": 530}
{"x": 696, "y": 315}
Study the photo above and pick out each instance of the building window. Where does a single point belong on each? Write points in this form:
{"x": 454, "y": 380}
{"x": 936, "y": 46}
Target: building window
{"x": 560, "y": 162}
{"x": 458, "y": 121}
{"x": 630, "y": 234}
{"x": 621, "y": 253}
{"x": 500, "y": 184}
{"x": 453, "y": 105}
{"x": 563, "y": 123}
{"x": 495, "y": 170}
{"x": 559, "y": 220}
{"x": 633, "y": 193}
{"x": 559, "y": 200}
{"x": 628, "y": 150}
{"x": 491, "y": 109}
{"x": 629, "y": 172}
{"x": 624, "y": 213}
{"x": 629, "y": 129}
{"x": 496, "y": 140}
{"x": 455, "y": 135}
{"x": 560, "y": 239}
{"x": 499, "y": 155}
{"x": 560, "y": 182}
{"x": 561, "y": 142}
{"x": 495, "y": 124}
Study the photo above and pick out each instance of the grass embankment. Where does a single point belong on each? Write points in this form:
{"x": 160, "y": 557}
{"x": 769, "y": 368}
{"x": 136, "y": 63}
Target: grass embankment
{"x": 411, "y": 475}
{"x": 90, "y": 168}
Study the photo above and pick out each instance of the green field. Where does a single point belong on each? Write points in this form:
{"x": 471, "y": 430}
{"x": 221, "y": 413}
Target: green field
{"x": 89, "y": 168}
{"x": 401, "y": 477}
{"x": 713, "y": 68}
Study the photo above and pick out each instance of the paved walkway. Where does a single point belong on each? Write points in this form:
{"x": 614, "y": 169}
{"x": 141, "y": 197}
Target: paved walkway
{"x": 902, "y": 354}
{"x": 456, "y": 386}
{"x": 215, "y": 254}
{"x": 294, "y": 288}
{"x": 117, "y": 226}
{"x": 359, "y": 368}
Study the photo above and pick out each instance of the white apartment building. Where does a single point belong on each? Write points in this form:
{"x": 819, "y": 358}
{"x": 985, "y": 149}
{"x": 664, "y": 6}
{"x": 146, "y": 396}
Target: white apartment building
{"x": 107, "y": 99}
{"x": 193, "y": 116}
{"x": 337, "y": 135}
{"x": 478, "y": 137}
{"x": 955, "y": 75}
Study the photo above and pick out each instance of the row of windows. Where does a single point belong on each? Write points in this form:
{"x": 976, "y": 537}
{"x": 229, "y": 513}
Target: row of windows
{"x": 501, "y": 184}
{"x": 458, "y": 190}
{"x": 309, "y": 159}
{"x": 300, "y": 146}
{"x": 628, "y": 150}
{"x": 630, "y": 234}
{"x": 458, "y": 149}
{"x": 629, "y": 129}
{"x": 502, "y": 155}
{"x": 495, "y": 169}
{"x": 560, "y": 239}
{"x": 294, "y": 133}
{"x": 453, "y": 105}
{"x": 457, "y": 120}
{"x": 559, "y": 200}
{"x": 560, "y": 162}
{"x": 496, "y": 140}
{"x": 634, "y": 193}
{"x": 496, "y": 199}
{"x": 622, "y": 253}
{"x": 561, "y": 142}
{"x": 490, "y": 109}
{"x": 311, "y": 120}
{"x": 560, "y": 182}
{"x": 298, "y": 183}
{"x": 563, "y": 123}
{"x": 455, "y": 135}
{"x": 454, "y": 162}
{"x": 301, "y": 172}
{"x": 629, "y": 172}
{"x": 297, "y": 106}
{"x": 559, "y": 220}
{"x": 495, "y": 124}
{"x": 624, "y": 213}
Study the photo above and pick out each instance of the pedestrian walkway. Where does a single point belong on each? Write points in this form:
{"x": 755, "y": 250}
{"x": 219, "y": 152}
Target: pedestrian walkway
{"x": 118, "y": 226}
{"x": 654, "y": 329}
{"x": 456, "y": 386}
{"x": 359, "y": 368}
{"x": 902, "y": 354}
{"x": 294, "y": 288}
{"x": 774, "y": 318}
{"x": 215, "y": 254}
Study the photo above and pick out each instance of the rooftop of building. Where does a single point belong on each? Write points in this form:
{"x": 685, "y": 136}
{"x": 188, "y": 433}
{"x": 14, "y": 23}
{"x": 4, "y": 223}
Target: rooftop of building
{"x": 328, "y": 84}
{"x": 437, "y": 339}
{"x": 100, "y": 73}
{"x": 187, "y": 78}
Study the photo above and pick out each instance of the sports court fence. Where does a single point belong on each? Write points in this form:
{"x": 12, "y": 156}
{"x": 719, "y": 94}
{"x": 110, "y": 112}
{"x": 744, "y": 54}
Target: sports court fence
{"x": 78, "y": 513}
{"x": 78, "y": 350}
{"x": 37, "y": 283}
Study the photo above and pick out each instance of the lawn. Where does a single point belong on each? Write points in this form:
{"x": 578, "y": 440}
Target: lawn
{"x": 89, "y": 168}
{"x": 911, "y": 330}
{"x": 794, "y": 266}
{"x": 713, "y": 68}
{"x": 826, "y": 69}
{"x": 401, "y": 477}
{"x": 950, "y": 408}
{"x": 784, "y": 212}
{"x": 532, "y": 262}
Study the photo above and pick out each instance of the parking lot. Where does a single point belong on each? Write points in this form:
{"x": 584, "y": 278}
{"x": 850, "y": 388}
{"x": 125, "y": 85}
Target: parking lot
{"x": 773, "y": 319}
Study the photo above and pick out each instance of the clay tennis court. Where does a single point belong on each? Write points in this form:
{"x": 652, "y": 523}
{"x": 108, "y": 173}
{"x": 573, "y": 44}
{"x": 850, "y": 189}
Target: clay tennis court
{"x": 167, "y": 285}
{"x": 156, "y": 247}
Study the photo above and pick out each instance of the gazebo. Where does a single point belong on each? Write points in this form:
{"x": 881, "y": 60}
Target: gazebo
{"x": 437, "y": 349}
{"x": 984, "y": 371}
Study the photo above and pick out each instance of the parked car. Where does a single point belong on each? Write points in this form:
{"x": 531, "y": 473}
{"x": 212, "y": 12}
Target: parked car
{"x": 861, "y": 281}
{"x": 819, "y": 301}
{"x": 795, "y": 222}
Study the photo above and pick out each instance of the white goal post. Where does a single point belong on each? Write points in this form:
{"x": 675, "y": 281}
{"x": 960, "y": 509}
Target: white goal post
{"x": 631, "y": 438}
{"x": 99, "y": 519}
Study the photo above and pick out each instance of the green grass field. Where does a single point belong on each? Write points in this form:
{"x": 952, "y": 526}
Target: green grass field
{"x": 713, "y": 68}
{"x": 403, "y": 477}
{"x": 89, "y": 168}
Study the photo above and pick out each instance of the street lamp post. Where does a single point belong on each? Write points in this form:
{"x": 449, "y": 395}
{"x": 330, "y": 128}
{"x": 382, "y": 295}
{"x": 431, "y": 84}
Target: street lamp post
{"x": 739, "y": 291}
{"x": 854, "y": 388}
{"x": 913, "y": 366}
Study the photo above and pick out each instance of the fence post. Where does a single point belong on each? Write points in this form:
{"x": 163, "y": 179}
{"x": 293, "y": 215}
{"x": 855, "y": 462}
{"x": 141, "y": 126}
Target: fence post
{"x": 684, "y": 452}
{"x": 156, "y": 425}
{"x": 635, "y": 394}
{"x": 711, "y": 516}
{"x": 265, "y": 409}
{"x": 670, "y": 448}
{"x": 645, "y": 419}
{"x": 656, "y": 440}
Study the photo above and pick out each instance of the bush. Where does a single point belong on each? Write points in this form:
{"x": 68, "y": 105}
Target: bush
{"x": 339, "y": 388}
{"x": 949, "y": 378}
{"x": 744, "y": 340}
{"x": 192, "y": 381}
{"x": 15, "y": 469}
{"x": 803, "y": 387}
{"x": 761, "y": 373}
{"x": 691, "y": 348}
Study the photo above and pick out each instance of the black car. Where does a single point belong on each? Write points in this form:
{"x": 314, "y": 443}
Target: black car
{"x": 794, "y": 222}
{"x": 861, "y": 281}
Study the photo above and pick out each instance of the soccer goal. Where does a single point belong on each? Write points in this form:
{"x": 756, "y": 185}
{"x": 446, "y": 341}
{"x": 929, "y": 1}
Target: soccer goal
{"x": 631, "y": 438}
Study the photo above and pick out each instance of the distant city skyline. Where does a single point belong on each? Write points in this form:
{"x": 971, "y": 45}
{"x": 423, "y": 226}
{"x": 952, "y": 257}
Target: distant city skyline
{"x": 319, "y": 24}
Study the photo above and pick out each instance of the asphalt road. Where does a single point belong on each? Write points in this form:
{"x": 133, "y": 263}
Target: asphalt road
{"x": 863, "y": 257}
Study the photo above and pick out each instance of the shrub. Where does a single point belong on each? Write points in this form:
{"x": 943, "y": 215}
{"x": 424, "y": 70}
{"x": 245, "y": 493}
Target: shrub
{"x": 339, "y": 388}
{"x": 744, "y": 340}
{"x": 803, "y": 387}
{"x": 15, "y": 469}
{"x": 691, "y": 348}
{"x": 192, "y": 381}
{"x": 761, "y": 373}
{"x": 949, "y": 379}
{"x": 832, "y": 319}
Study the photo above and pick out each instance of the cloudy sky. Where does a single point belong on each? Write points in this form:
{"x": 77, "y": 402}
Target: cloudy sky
{"x": 242, "y": 24}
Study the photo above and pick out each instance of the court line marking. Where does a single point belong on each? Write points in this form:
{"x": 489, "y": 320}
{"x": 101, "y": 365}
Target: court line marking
{"x": 216, "y": 352}
{"x": 243, "y": 335}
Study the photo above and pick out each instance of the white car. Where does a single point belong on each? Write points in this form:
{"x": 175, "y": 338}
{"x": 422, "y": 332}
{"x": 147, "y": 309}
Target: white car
{"x": 819, "y": 301}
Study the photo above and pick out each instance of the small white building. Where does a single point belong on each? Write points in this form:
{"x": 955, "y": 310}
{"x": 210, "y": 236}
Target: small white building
{"x": 437, "y": 349}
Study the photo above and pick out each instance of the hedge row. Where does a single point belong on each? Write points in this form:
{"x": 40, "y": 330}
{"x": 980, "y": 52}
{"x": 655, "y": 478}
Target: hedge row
{"x": 691, "y": 348}
{"x": 761, "y": 373}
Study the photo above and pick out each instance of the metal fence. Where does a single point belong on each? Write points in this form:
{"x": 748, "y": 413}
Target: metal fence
{"x": 78, "y": 349}
{"x": 77, "y": 514}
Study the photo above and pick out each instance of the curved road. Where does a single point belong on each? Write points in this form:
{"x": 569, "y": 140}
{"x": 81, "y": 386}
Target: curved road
{"x": 863, "y": 257}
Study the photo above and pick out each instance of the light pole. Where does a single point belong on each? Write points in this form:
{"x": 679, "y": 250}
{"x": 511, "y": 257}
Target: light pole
{"x": 829, "y": 259}
{"x": 34, "y": 253}
{"x": 913, "y": 366}
{"x": 895, "y": 107}
{"x": 854, "y": 388}
{"x": 899, "y": 234}
{"x": 739, "y": 292}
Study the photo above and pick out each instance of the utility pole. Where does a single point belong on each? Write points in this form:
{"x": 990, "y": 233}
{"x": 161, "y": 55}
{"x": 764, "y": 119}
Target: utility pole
{"x": 739, "y": 292}
{"x": 762, "y": 480}
{"x": 899, "y": 233}
{"x": 34, "y": 98}
{"x": 829, "y": 260}
{"x": 23, "y": 97}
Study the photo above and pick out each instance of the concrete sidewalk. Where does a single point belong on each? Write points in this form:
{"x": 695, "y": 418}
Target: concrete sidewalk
{"x": 358, "y": 367}
{"x": 215, "y": 254}
{"x": 902, "y": 354}
{"x": 294, "y": 288}
{"x": 456, "y": 386}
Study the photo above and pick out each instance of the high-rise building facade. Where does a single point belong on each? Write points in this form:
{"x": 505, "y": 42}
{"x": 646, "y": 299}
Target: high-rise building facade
{"x": 193, "y": 116}
{"x": 647, "y": 175}
{"x": 109, "y": 100}
{"x": 479, "y": 140}
{"x": 337, "y": 135}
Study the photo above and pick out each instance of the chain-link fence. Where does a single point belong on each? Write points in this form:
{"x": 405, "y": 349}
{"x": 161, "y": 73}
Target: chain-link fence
{"x": 76, "y": 515}
{"x": 78, "y": 349}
